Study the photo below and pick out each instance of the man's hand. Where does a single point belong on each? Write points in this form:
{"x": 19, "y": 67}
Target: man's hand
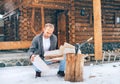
{"x": 32, "y": 58}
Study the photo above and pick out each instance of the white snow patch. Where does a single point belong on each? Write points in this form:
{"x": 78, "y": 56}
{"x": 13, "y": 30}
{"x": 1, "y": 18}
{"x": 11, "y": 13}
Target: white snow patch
{"x": 94, "y": 74}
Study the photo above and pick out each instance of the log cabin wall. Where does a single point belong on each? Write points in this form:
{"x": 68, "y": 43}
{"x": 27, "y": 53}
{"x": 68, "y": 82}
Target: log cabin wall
{"x": 80, "y": 19}
{"x": 111, "y": 29}
{"x": 51, "y": 9}
{"x": 110, "y": 24}
{"x": 27, "y": 28}
{"x": 84, "y": 22}
{"x": 22, "y": 38}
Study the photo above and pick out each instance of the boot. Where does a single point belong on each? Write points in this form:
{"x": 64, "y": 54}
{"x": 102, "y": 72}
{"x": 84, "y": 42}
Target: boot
{"x": 61, "y": 73}
{"x": 38, "y": 74}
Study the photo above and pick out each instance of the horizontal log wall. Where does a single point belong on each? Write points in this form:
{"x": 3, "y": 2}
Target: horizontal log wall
{"x": 84, "y": 20}
{"x": 110, "y": 30}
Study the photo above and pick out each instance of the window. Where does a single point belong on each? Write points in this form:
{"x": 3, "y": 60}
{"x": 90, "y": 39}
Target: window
{"x": 117, "y": 19}
{"x": 1, "y": 16}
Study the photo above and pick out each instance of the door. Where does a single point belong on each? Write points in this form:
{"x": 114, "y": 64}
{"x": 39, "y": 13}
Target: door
{"x": 61, "y": 28}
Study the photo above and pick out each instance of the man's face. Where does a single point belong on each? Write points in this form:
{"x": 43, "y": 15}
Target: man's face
{"x": 48, "y": 32}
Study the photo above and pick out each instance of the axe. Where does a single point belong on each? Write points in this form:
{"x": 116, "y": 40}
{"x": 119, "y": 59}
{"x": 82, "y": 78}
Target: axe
{"x": 78, "y": 46}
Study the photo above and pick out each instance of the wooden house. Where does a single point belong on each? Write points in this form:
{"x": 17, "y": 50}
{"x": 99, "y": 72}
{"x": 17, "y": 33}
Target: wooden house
{"x": 75, "y": 21}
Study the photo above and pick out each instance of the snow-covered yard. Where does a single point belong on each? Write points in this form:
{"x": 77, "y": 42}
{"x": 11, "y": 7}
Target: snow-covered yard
{"x": 95, "y": 74}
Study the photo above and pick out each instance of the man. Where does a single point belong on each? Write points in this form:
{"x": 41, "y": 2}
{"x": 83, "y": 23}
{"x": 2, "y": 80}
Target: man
{"x": 44, "y": 42}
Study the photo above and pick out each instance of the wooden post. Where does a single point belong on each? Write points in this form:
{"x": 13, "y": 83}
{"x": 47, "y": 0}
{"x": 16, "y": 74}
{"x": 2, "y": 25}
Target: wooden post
{"x": 72, "y": 23}
{"x": 74, "y": 67}
{"x": 33, "y": 21}
{"x": 42, "y": 17}
{"x": 97, "y": 29}
{"x": 33, "y": 16}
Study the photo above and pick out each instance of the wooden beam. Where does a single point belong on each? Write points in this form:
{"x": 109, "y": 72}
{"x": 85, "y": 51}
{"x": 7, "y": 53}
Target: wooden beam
{"x": 42, "y": 17}
{"x": 58, "y": 1}
{"x": 97, "y": 29}
{"x": 48, "y": 6}
{"x": 14, "y": 45}
{"x": 33, "y": 21}
{"x": 33, "y": 16}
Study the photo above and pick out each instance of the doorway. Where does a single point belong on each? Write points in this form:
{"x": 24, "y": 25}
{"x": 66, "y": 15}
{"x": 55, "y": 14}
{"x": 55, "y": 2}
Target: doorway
{"x": 63, "y": 35}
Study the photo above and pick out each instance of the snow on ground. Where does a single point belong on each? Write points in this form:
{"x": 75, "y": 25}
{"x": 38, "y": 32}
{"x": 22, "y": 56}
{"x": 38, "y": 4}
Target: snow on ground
{"x": 95, "y": 74}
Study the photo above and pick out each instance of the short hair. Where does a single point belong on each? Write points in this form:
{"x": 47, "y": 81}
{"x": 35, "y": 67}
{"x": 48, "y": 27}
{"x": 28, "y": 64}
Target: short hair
{"x": 49, "y": 25}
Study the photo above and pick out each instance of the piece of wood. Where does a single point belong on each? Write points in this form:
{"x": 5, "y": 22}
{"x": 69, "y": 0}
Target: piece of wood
{"x": 74, "y": 67}
{"x": 65, "y": 49}
{"x": 40, "y": 64}
{"x": 67, "y": 45}
{"x": 97, "y": 29}
{"x": 14, "y": 45}
{"x": 55, "y": 59}
{"x": 53, "y": 54}
{"x": 42, "y": 17}
{"x": 58, "y": 54}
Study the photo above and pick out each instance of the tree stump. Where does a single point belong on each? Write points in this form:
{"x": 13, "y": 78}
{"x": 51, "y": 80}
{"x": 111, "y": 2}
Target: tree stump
{"x": 74, "y": 67}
